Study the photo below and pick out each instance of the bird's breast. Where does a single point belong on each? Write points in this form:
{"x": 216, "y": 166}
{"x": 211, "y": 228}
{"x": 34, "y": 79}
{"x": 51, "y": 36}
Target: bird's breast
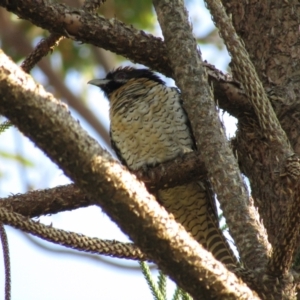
{"x": 149, "y": 126}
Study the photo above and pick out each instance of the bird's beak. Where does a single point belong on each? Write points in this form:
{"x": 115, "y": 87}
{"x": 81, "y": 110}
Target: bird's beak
{"x": 99, "y": 82}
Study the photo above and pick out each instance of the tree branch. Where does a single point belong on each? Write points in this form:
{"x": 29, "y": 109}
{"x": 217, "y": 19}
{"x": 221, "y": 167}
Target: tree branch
{"x": 12, "y": 36}
{"x": 42, "y": 49}
{"x": 211, "y": 141}
{"x": 46, "y": 45}
{"x": 6, "y": 258}
{"x": 48, "y": 201}
{"x": 72, "y": 240}
{"x": 126, "y": 201}
{"x": 124, "y": 40}
{"x": 245, "y": 71}
{"x": 286, "y": 179}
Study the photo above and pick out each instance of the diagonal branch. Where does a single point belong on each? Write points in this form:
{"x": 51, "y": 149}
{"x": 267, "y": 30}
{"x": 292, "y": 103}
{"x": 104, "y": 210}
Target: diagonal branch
{"x": 46, "y": 45}
{"x": 50, "y": 201}
{"x": 223, "y": 171}
{"x": 244, "y": 69}
{"x": 72, "y": 240}
{"x": 124, "y": 40}
{"x": 42, "y": 49}
{"x": 10, "y": 35}
{"x": 126, "y": 201}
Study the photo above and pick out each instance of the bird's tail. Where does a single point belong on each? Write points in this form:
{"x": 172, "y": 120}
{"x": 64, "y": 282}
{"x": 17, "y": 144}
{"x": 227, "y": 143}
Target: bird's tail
{"x": 192, "y": 206}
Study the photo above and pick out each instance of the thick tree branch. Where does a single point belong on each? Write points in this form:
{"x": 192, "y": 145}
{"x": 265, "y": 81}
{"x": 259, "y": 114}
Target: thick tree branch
{"x": 211, "y": 141}
{"x": 126, "y": 201}
{"x": 272, "y": 132}
{"x": 187, "y": 168}
{"x": 124, "y": 40}
{"x": 48, "y": 201}
{"x": 69, "y": 197}
{"x": 12, "y": 36}
{"x": 245, "y": 71}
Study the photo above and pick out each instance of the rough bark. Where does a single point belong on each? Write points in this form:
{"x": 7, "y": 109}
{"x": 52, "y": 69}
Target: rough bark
{"x": 191, "y": 78}
{"x": 123, "y": 198}
{"x": 269, "y": 30}
{"x": 270, "y": 33}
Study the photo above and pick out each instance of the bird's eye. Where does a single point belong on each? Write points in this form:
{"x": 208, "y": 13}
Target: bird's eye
{"x": 120, "y": 75}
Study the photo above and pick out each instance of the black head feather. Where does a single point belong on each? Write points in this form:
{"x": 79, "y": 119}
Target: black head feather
{"x": 118, "y": 77}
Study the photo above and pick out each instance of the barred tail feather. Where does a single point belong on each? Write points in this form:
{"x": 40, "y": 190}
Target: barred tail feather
{"x": 190, "y": 205}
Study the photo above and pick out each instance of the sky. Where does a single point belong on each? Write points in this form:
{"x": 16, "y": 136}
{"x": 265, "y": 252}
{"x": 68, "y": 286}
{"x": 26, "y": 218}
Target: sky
{"x": 41, "y": 270}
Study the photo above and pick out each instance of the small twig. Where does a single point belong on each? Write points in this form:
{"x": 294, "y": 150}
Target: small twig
{"x": 42, "y": 49}
{"x": 47, "y": 45}
{"x": 6, "y": 258}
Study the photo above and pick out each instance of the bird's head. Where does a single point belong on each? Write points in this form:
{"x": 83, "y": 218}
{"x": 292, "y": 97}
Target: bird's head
{"x": 117, "y": 78}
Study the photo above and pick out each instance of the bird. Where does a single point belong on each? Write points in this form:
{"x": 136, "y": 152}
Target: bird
{"x": 149, "y": 126}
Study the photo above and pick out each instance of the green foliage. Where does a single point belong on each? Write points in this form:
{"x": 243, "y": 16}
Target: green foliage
{"x": 23, "y": 161}
{"x": 156, "y": 292}
{"x": 180, "y": 294}
{"x": 158, "y": 289}
{"x": 5, "y": 125}
{"x": 162, "y": 284}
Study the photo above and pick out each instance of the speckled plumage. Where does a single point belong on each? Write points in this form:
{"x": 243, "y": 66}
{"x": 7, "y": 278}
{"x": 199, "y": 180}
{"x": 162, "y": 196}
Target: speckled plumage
{"x": 148, "y": 127}
{"x": 142, "y": 138}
